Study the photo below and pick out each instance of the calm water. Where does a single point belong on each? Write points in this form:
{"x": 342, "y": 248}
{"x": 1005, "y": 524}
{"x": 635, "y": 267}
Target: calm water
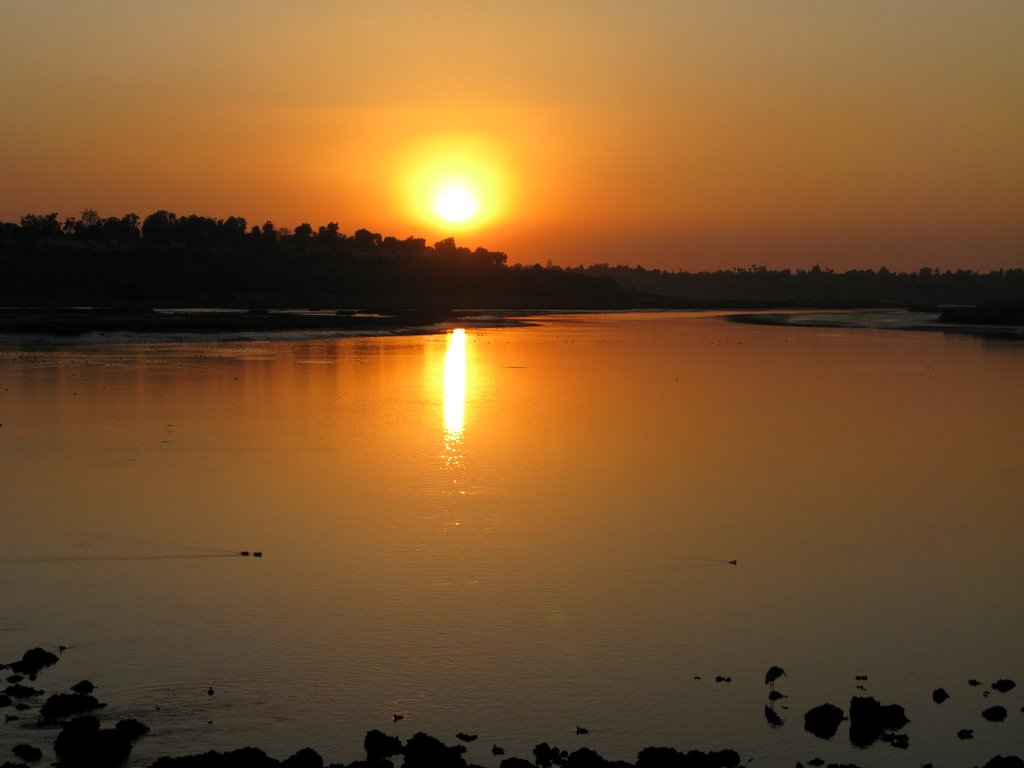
{"x": 522, "y": 530}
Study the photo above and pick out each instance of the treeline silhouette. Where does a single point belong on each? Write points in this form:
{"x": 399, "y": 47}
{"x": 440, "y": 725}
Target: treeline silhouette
{"x": 169, "y": 260}
{"x": 758, "y": 285}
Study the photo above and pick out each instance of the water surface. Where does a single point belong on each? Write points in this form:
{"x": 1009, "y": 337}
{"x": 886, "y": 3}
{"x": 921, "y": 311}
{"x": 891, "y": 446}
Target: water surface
{"x": 520, "y": 532}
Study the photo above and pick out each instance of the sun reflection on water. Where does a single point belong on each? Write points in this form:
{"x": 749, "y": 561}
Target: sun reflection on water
{"x": 454, "y": 396}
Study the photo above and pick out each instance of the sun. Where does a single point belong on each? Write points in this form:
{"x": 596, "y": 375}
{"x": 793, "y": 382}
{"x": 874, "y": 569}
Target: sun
{"x": 456, "y": 201}
{"x": 454, "y": 182}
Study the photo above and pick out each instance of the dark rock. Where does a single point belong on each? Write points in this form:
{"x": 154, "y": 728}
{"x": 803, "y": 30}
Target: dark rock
{"x": 10, "y": 718}
{"x": 869, "y": 718}
{"x": 666, "y": 757}
{"x": 1010, "y": 761}
{"x": 965, "y": 733}
{"x": 722, "y": 679}
{"x": 28, "y": 753}
{"x": 516, "y": 762}
{"x": 247, "y": 757}
{"x": 995, "y": 714}
{"x": 467, "y": 737}
{"x": 1004, "y": 685}
{"x": 9, "y": 764}
{"x": 19, "y": 691}
{"x": 85, "y": 687}
{"x": 378, "y": 745}
{"x": 973, "y": 683}
{"x": 545, "y": 756}
{"x": 900, "y": 740}
{"x": 816, "y": 762}
{"x": 132, "y": 729}
{"x": 585, "y": 758}
{"x": 860, "y": 677}
{"x": 22, "y": 706}
{"x": 15, "y": 678}
{"x": 33, "y": 661}
{"x": 939, "y": 695}
{"x": 5, "y": 700}
{"x": 83, "y": 742}
{"x": 423, "y": 751}
{"x": 823, "y": 720}
{"x": 496, "y": 750}
{"x": 63, "y": 705}
{"x": 304, "y": 758}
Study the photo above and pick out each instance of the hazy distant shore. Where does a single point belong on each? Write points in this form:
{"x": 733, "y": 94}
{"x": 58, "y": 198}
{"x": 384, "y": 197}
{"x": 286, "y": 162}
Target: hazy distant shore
{"x": 899, "y": 320}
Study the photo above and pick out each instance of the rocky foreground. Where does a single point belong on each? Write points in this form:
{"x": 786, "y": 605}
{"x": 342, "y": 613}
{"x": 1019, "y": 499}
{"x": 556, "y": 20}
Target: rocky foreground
{"x": 82, "y": 741}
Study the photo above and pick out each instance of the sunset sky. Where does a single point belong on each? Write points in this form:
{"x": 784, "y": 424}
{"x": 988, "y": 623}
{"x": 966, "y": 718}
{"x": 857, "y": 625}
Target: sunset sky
{"x": 680, "y": 135}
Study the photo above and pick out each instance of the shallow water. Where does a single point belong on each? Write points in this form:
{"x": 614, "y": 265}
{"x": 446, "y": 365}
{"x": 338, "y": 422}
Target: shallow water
{"x": 534, "y": 537}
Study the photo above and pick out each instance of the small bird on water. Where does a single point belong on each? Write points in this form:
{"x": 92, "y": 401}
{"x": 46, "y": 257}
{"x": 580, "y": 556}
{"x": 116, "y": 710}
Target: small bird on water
{"x": 772, "y": 675}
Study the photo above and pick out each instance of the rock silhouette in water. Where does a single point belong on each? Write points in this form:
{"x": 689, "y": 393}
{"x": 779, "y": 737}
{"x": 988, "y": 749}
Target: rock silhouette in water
{"x": 19, "y": 691}
{"x": 995, "y": 714}
{"x": 939, "y": 695}
{"x": 1003, "y": 686}
{"x": 83, "y": 742}
{"x": 132, "y": 728}
{"x": 869, "y": 719}
{"x": 27, "y": 752}
{"x": 304, "y": 758}
{"x": 379, "y": 746}
{"x": 965, "y": 733}
{"x": 85, "y": 687}
{"x": 823, "y": 720}
{"x": 424, "y": 751}
{"x": 467, "y": 737}
{"x": 33, "y": 661}
{"x": 63, "y": 705}
{"x": 545, "y": 755}
{"x": 666, "y": 757}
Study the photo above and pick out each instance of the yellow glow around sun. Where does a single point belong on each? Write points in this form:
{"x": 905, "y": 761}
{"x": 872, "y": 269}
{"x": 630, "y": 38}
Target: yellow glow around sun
{"x": 455, "y": 181}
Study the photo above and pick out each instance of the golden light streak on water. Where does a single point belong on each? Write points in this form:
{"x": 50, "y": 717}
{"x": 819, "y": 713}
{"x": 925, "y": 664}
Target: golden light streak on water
{"x": 455, "y": 384}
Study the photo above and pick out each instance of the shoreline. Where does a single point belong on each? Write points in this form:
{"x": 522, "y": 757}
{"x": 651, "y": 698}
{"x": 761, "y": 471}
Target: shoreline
{"x": 72, "y": 322}
{"x": 842, "y": 318}
{"x": 81, "y": 738}
{"x": 78, "y": 323}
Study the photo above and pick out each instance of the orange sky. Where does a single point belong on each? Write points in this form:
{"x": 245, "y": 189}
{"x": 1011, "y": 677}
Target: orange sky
{"x": 671, "y": 134}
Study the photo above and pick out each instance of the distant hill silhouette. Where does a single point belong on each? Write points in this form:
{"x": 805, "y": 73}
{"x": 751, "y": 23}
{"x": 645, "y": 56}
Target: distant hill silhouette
{"x": 170, "y": 260}
{"x": 758, "y": 285}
